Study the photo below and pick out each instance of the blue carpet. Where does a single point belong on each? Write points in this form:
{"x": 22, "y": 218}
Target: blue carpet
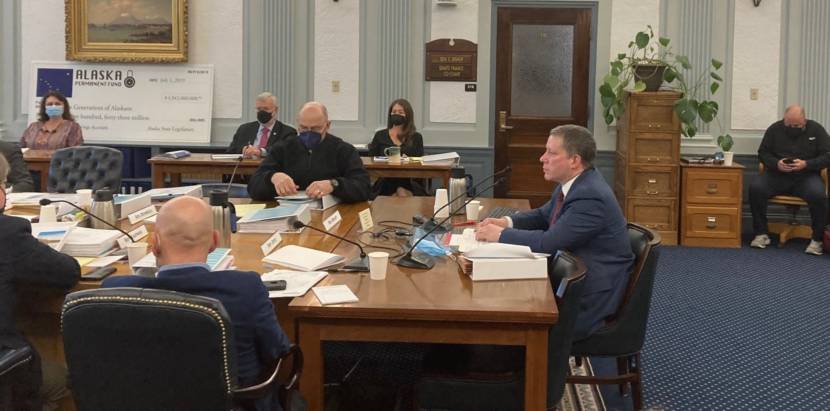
{"x": 737, "y": 329}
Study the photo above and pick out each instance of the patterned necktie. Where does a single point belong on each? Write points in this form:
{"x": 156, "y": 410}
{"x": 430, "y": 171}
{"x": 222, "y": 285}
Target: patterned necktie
{"x": 559, "y": 200}
{"x": 263, "y": 137}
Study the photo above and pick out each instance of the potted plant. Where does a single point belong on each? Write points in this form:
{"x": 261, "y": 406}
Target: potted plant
{"x": 725, "y": 143}
{"x": 648, "y": 64}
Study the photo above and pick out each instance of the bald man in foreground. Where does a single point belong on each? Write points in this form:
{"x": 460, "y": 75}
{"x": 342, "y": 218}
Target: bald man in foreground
{"x": 182, "y": 239}
{"x": 315, "y": 161}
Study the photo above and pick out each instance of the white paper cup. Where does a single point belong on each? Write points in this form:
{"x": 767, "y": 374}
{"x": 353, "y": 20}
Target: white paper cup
{"x": 378, "y": 261}
{"x": 135, "y": 251}
{"x": 84, "y": 197}
{"x": 48, "y": 213}
{"x": 441, "y": 199}
{"x": 472, "y": 210}
{"x": 727, "y": 157}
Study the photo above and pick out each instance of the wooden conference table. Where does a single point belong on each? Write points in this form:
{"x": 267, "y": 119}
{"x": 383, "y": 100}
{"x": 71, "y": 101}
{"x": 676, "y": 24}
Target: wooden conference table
{"x": 440, "y": 305}
{"x": 203, "y": 164}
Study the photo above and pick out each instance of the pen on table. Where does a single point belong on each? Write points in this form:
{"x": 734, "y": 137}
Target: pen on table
{"x": 470, "y": 222}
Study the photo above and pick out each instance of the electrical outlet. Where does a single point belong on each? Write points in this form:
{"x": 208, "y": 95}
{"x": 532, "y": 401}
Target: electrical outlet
{"x": 335, "y": 86}
{"x": 753, "y": 94}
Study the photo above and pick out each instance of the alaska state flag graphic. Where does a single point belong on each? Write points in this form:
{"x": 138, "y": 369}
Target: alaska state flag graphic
{"x": 51, "y": 79}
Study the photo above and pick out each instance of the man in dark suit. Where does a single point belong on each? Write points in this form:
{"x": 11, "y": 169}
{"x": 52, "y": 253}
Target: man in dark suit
{"x": 19, "y": 177}
{"x": 182, "y": 239}
{"x": 582, "y": 217}
{"x": 255, "y": 139}
{"x": 25, "y": 261}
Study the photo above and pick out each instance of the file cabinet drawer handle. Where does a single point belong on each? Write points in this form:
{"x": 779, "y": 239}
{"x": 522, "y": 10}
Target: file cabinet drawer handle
{"x": 652, "y": 180}
{"x": 712, "y": 188}
{"x": 652, "y": 192}
{"x": 711, "y": 222}
{"x": 653, "y": 159}
{"x": 651, "y": 226}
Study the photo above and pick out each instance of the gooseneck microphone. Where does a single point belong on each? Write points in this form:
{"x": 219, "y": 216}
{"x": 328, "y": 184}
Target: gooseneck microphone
{"x": 431, "y": 221}
{"x": 358, "y": 264}
{"x": 46, "y": 201}
{"x": 411, "y": 261}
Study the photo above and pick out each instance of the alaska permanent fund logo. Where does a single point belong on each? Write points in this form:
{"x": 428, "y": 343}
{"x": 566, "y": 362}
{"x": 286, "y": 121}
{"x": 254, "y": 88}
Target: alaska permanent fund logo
{"x": 62, "y": 80}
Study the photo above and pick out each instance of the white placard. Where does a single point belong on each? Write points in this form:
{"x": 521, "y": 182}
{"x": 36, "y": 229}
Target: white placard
{"x": 131, "y": 103}
{"x": 142, "y": 214}
{"x": 136, "y": 234}
{"x": 332, "y": 220}
{"x": 366, "y": 222}
{"x": 271, "y": 243}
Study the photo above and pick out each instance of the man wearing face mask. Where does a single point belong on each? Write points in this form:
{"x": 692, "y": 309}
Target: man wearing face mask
{"x": 255, "y": 139}
{"x": 25, "y": 261}
{"x": 794, "y": 151}
{"x": 315, "y": 161}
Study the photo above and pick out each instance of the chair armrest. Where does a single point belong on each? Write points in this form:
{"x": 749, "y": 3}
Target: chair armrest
{"x": 11, "y": 358}
{"x": 263, "y": 388}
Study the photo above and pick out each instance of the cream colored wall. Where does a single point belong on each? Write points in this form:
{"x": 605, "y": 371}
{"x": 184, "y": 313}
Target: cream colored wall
{"x": 448, "y": 102}
{"x": 337, "y": 57}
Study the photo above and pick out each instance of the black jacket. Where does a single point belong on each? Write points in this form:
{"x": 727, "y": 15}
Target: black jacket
{"x": 332, "y": 158}
{"x": 19, "y": 177}
{"x": 812, "y": 145}
{"x": 246, "y": 134}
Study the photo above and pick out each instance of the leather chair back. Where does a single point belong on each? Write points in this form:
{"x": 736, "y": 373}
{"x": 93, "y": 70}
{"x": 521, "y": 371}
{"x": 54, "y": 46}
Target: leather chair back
{"x": 143, "y": 349}
{"x": 73, "y": 168}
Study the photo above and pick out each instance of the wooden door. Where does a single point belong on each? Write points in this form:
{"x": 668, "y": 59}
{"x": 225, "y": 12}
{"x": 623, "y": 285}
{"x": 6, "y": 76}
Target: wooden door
{"x": 542, "y": 70}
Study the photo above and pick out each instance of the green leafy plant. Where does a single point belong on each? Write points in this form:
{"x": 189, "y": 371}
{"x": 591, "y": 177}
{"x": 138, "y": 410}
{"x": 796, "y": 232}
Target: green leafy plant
{"x": 645, "y": 50}
{"x": 725, "y": 142}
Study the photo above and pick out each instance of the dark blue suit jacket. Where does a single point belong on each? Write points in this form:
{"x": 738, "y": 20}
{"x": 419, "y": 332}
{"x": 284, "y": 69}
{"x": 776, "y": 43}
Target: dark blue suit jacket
{"x": 256, "y": 330}
{"x": 592, "y": 227}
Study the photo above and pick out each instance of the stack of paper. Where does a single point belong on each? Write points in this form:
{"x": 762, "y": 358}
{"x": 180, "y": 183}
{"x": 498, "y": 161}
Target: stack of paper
{"x": 443, "y": 158}
{"x": 495, "y": 261}
{"x": 90, "y": 242}
{"x": 126, "y": 204}
{"x": 297, "y": 283}
{"x": 53, "y": 234}
{"x": 334, "y": 294}
{"x": 226, "y": 156}
{"x": 164, "y": 194}
{"x": 219, "y": 259}
{"x": 269, "y": 220}
{"x": 31, "y": 202}
{"x": 315, "y": 203}
{"x": 302, "y": 258}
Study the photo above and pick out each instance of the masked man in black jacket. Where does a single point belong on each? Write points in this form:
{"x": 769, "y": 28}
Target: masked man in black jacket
{"x": 315, "y": 161}
{"x": 794, "y": 151}
{"x": 255, "y": 139}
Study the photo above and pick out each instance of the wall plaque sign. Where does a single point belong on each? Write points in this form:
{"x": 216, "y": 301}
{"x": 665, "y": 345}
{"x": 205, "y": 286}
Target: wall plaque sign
{"x": 451, "y": 60}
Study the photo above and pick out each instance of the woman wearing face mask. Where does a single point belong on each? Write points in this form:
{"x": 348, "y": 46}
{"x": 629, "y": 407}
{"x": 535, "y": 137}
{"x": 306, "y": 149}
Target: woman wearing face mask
{"x": 55, "y": 128}
{"x": 399, "y": 132}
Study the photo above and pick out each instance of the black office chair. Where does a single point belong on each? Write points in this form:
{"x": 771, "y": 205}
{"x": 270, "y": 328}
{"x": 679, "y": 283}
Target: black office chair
{"x": 11, "y": 360}
{"x": 487, "y": 377}
{"x": 74, "y": 168}
{"x": 143, "y": 349}
{"x": 623, "y": 334}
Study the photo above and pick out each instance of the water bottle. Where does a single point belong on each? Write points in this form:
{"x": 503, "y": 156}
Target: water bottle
{"x": 458, "y": 186}
{"x": 224, "y": 216}
{"x": 103, "y": 208}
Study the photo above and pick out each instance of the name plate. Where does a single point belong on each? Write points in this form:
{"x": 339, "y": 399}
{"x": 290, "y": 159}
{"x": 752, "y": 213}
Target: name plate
{"x": 366, "y": 222}
{"x": 142, "y": 214}
{"x": 271, "y": 243}
{"x": 332, "y": 220}
{"x": 136, "y": 234}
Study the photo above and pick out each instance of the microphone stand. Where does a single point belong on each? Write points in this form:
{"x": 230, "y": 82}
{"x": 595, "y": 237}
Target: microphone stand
{"x": 46, "y": 201}
{"x": 410, "y": 261}
{"x": 430, "y": 223}
{"x": 358, "y": 264}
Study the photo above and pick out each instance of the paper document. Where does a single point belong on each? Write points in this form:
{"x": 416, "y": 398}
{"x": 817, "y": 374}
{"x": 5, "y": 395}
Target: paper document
{"x": 443, "y": 157}
{"x": 316, "y": 203}
{"x": 105, "y": 261}
{"x": 334, "y": 294}
{"x": 243, "y": 210}
{"x": 302, "y": 258}
{"x": 297, "y": 283}
{"x": 225, "y": 156}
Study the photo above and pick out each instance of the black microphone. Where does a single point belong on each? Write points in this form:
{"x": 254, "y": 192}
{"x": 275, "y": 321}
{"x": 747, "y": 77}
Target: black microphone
{"x": 410, "y": 261}
{"x": 358, "y": 264}
{"x": 46, "y": 201}
{"x": 427, "y": 225}
{"x": 233, "y": 174}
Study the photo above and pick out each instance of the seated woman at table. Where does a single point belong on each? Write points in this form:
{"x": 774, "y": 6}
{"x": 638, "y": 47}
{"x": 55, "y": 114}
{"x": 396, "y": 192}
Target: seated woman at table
{"x": 399, "y": 132}
{"x": 55, "y": 128}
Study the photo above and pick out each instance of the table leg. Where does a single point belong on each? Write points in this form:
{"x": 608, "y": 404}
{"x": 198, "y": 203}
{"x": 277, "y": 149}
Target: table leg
{"x": 311, "y": 381}
{"x": 447, "y": 180}
{"x": 44, "y": 179}
{"x": 536, "y": 369}
{"x": 158, "y": 177}
{"x": 176, "y": 179}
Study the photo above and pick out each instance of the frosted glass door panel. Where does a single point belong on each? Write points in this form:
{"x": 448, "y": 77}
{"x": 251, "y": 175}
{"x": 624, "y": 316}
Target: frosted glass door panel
{"x": 542, "y": 70}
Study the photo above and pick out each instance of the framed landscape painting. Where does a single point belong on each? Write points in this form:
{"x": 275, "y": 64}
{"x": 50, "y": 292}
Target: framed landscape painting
{"x": 126, "y": 31}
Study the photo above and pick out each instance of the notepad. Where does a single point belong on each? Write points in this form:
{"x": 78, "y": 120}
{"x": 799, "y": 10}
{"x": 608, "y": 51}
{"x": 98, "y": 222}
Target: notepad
{"x": 302, "y": 258}
{"x": 243, "y": 210}
{"x": 334, "y": 294}
{"x": 297, "y": 283}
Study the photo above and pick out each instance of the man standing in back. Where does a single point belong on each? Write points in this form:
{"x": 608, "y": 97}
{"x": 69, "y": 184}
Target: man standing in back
{"x": 255, "y": 139}
{"x": 182, "y": 239}
{"x": 582, "y": 217}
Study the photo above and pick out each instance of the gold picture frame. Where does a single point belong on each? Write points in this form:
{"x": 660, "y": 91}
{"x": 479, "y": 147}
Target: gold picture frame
{"x": 134, "y": 31}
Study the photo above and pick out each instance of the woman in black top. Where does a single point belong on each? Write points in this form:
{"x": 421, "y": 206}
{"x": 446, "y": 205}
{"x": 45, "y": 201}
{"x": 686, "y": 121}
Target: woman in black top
{"x": 400, "y": 131}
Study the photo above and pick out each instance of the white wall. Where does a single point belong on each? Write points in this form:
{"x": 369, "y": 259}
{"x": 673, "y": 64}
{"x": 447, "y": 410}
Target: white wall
{"x": 215, "y": 37}
{"x": 448, "y": 102}
{"x": 337, "y": 57}
{"x": 630, "y": 17}
{"x": 755, "y": 64}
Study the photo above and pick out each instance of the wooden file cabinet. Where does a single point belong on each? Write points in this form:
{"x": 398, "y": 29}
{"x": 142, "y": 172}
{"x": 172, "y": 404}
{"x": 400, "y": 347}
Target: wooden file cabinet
{"x": 647, "y": 173}
{"x": 711, "y": 205}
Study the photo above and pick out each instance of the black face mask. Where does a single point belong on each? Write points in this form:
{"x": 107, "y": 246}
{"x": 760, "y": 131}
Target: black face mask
{"x": 263, "y": 116}
{"x": 397, "y": 120}
{"x": 794, "y": 131}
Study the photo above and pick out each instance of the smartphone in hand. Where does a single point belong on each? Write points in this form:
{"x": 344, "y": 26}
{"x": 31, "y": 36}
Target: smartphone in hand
{"x": 788, "y": 160}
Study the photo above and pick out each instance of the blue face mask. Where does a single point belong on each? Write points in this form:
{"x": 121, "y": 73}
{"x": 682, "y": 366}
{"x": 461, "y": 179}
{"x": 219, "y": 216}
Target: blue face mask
{"x": 54, "y": 111}
{"x": 310, "y": 138}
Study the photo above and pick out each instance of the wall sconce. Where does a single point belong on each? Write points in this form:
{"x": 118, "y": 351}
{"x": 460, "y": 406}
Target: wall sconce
{"x": 756, "y": 2}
